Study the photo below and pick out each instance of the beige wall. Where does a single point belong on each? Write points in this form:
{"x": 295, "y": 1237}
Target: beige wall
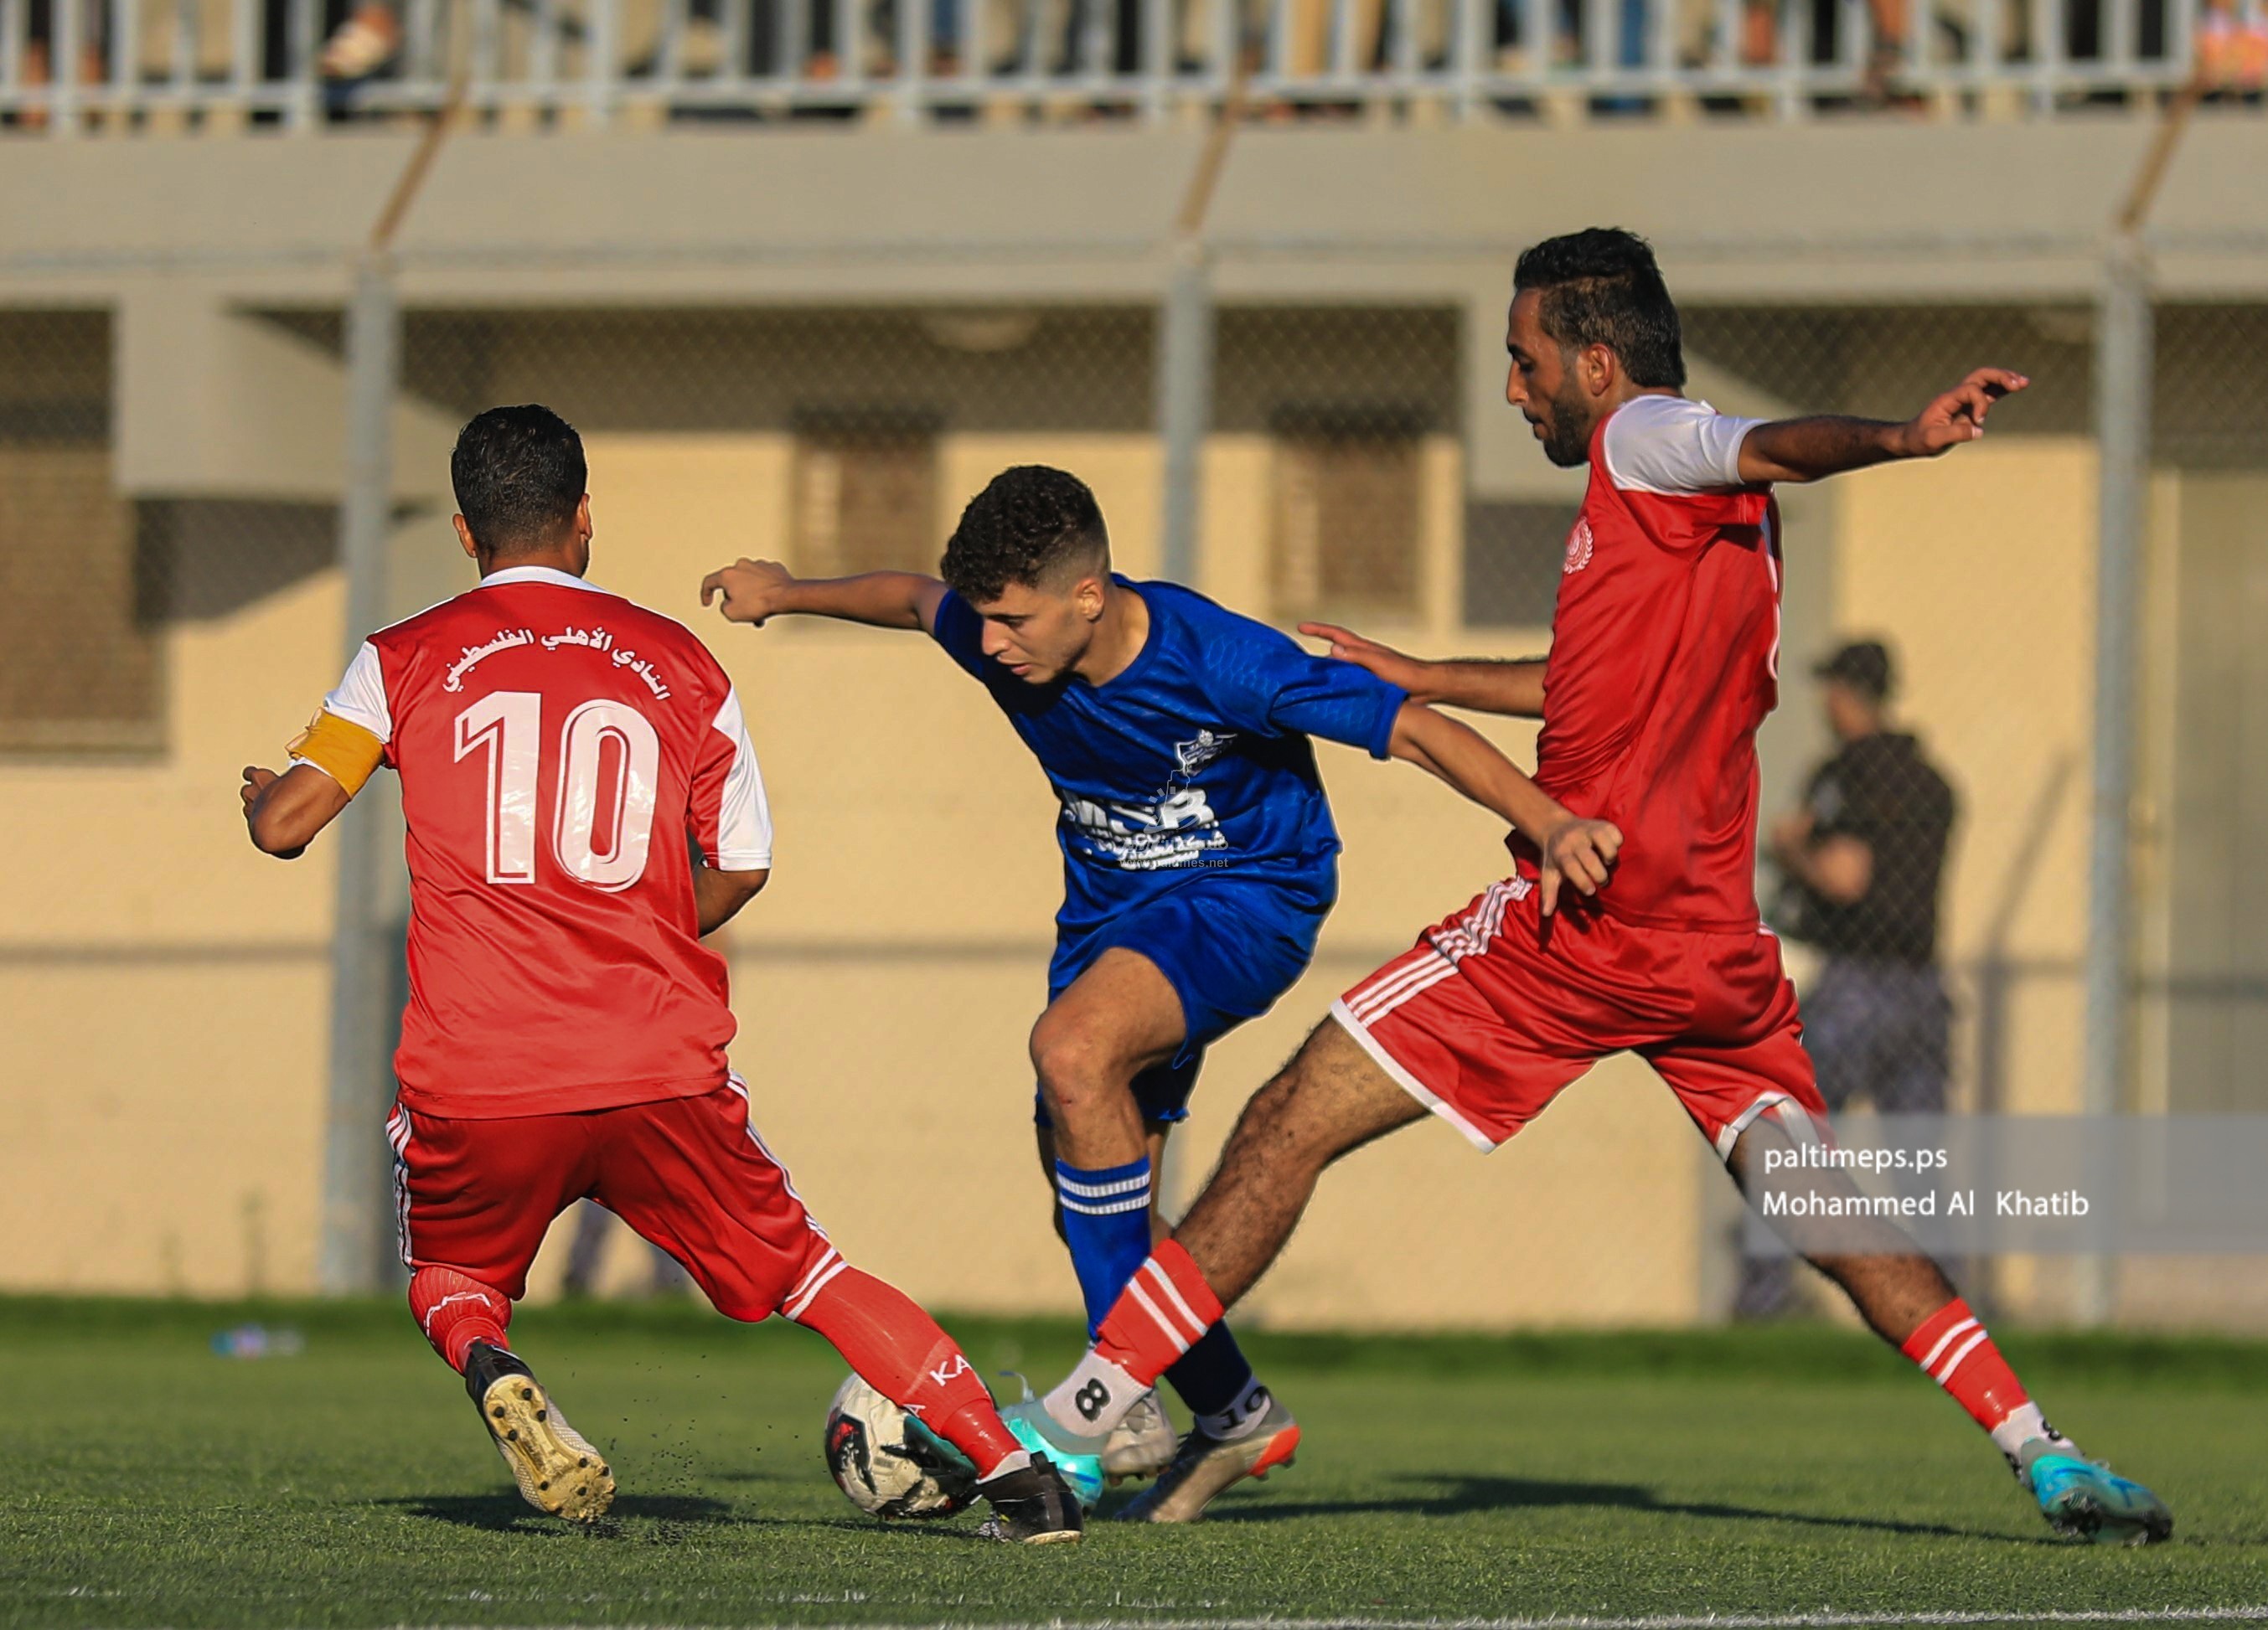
{"x": 1979, "y": 569}
{"x": 885, "y": 983}
{"x": 162, "y": 1061}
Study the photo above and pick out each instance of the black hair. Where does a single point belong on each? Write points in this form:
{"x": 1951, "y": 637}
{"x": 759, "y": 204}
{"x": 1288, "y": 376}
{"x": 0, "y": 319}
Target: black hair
{"x": 519, "y": 475}
{"x": 1601, "y": 286}
{"x": 1029, "y": 523}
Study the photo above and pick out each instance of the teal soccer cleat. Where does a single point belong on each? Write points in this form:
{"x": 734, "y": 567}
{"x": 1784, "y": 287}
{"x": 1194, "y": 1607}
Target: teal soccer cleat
{"x": 1079, "y": 1459}
{"x": 2090, "y": 1501}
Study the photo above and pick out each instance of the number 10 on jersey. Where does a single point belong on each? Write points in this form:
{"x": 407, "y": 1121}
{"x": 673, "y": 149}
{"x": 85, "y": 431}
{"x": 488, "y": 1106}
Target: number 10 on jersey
{"x": 608, "y": 759}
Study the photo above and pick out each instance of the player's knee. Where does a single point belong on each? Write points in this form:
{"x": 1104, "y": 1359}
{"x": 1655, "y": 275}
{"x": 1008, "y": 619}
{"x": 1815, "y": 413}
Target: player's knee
{"x": 1073, "y": 1070}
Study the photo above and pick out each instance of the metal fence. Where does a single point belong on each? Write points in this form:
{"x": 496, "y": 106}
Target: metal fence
{"x": 72, "y": 65}
{"x": 1336, "y": 481}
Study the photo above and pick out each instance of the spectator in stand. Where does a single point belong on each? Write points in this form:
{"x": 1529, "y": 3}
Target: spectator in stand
{"x": 1861, "y": 864}
{"x": 38, "y": 66}
{"x": 367, "y": 40}
{"x": 2232, "y": 49}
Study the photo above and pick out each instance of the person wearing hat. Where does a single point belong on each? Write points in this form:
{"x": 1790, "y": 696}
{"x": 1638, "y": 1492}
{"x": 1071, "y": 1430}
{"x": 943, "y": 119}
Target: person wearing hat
{"x": 1861, "y": 863}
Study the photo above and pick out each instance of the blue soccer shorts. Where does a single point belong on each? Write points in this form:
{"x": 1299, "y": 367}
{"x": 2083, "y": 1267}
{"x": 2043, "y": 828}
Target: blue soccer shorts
{"x": 1228, "y": 946}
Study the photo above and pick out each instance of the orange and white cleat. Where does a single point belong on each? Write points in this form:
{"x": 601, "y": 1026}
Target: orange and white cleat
{"x": 1205, "y": 1465}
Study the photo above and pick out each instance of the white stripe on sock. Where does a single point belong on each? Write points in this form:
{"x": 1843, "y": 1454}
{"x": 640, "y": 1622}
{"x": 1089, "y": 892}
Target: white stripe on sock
{"x": 1180, "y": 1342}
{"x": 1139, "y": 1203}
{"x": 1929, "y": 1359}
{"x": 1165, "y": 1283}
{"x": 1942, "y": 1377}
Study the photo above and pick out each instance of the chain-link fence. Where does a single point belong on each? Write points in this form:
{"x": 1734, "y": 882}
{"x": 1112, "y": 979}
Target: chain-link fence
{"x": 1927, "y": 781}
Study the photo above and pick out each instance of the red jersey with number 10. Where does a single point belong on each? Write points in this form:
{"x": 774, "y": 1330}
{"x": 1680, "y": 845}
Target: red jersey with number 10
{"x": 1665, "y": 660}
{"x": 562, "y": 750}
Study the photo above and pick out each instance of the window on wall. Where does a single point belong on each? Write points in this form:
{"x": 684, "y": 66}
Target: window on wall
{"x": 1514, "y": 554}
{"x": 79, "y": 598}
{"x": 865, "y": 494}
{"x": 1348, "y": 508}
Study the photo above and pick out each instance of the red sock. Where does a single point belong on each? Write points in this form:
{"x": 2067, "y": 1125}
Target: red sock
{"x": 454, "y": 1311}
{"x": 1159, "y": 1316}
{"x": 1953, "y": 1347}
{"x": 903, "y": 1356}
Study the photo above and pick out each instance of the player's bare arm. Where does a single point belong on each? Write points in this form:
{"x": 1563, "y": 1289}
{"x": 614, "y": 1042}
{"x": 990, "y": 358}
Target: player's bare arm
{"x": 1807, "y": 450}
{"x": 285, "y": 812}
{"x": 717, "y": 896}
{"x": 754, "y": 592}
{"x": 1838, "y": 867}
{"x": 1578, "y": 853}
{"x": 1513, "y": 689}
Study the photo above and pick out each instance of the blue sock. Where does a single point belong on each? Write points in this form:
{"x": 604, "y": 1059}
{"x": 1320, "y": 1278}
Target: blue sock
{"x": 1106, "y": 1217}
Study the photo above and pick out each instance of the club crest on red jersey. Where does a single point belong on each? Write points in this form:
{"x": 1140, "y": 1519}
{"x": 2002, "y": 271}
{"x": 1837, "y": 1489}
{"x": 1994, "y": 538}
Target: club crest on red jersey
{"x": 1578, "y": 546}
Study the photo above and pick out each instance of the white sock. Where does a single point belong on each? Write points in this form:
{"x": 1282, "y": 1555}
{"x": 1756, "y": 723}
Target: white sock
{"x": 1242, "y": 1415}
{"x": 1021, "y": 1461}
{"x": 2024, "y": 1423}
{"x": 1093, "y": 1398}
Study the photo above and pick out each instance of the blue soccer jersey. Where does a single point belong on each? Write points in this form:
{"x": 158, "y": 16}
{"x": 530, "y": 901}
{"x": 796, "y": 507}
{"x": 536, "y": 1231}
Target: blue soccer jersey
{"x": 1193, "y": 763}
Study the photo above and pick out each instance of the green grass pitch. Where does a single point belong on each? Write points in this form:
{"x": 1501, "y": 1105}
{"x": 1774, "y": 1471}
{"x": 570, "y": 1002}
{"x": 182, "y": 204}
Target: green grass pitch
{"x": 1793, "y": 1475}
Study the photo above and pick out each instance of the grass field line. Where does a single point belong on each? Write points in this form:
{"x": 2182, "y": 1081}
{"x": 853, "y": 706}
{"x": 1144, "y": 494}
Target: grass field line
{"x": 1825, "y": 1620}
{"x": 1581, "y": 1621}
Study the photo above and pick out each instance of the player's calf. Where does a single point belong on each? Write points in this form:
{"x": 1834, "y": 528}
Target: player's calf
{"x": 454, "y": 1311}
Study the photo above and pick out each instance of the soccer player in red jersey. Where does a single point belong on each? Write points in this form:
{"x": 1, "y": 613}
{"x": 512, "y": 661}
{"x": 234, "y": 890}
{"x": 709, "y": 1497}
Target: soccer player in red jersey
{"x": 1664, "y": 661}
{"x": 583, "y": 807}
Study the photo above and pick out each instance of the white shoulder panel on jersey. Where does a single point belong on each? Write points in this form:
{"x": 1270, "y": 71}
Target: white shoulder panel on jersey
{"x": 360, "y": 698}
{"x": 1669, "y": 446}
{"x": 744, "y": 823}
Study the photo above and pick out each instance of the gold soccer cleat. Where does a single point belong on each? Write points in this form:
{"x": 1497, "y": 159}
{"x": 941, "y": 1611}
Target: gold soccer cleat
{"x": 558, "y": 1471}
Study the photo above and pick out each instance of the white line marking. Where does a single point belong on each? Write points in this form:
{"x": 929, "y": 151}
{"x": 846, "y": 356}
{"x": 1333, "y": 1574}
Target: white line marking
{"x": 1646, "y": 1621}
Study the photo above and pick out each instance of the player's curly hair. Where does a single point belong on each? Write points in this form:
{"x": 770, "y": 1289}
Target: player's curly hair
{"x": 519, "y": 475}
{"x": 1601, "y": 286}
{"x": 1030, "y": 524}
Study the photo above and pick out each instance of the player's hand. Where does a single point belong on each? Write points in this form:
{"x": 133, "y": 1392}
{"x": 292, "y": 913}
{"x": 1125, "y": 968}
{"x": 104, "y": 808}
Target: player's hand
{"x": 753, "y": 589}
{"x": 1383, "y": 660}
{"x": 1958, "y": 416}
{"x": 1578, "y": 853}
{"x": 256, "y": 780}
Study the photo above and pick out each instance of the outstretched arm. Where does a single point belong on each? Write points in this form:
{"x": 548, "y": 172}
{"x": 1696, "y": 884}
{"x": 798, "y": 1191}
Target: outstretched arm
{"x": 1806, "y": 450}
{"x": 754, "y": 591}
{"x": 1577, "y": 853}
{"x": 1514, "y": 689}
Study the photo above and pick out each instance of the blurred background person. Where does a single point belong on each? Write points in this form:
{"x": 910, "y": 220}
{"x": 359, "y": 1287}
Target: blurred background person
{"x": 1861, "y": 863}
{"x": 586, "y": 1254}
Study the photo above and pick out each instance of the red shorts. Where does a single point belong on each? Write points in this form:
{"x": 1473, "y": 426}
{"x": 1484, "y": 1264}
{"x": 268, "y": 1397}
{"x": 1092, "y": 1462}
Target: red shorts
{"x": 689, "y": 1174}
{"x": 1492, "y": 1014}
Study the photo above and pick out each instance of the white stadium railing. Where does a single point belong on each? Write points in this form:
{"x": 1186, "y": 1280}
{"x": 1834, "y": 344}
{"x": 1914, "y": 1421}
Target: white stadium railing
{"x": 67, "y": 66}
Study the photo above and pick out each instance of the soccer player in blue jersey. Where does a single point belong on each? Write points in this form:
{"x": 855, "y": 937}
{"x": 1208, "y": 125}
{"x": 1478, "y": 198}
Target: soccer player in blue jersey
{"x": 1199, "y": 862}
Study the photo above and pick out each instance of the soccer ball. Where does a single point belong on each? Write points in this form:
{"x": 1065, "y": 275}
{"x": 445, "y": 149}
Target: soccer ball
{"x": 890, "y": 1465}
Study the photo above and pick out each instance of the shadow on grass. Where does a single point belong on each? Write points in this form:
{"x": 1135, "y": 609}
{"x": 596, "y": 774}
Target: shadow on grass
{"x": 500, "y": 1512}
{"x": 1456, "y": 1496}
{"x": 649, "y": 1519}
